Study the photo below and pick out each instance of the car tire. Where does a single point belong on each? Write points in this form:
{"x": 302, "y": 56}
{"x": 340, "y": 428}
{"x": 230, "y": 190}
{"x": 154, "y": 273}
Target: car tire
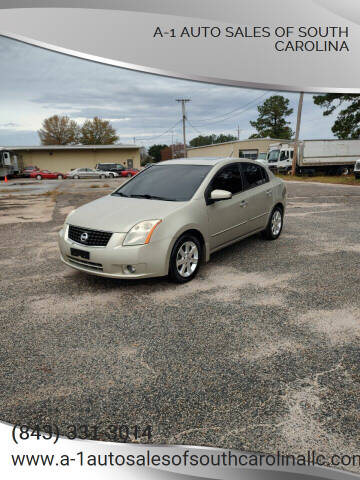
{"x": 103, "y": 176}
{"x": 76, "y": 177}
{"x": 357, "y": 176}
{"x": 275, "y": 224}
{"x": 187, "y": 249}
{"x": 38, "y": 177}
{"x": 60, "y": 177}
{"x": 111, "y": 175}
{"x": 129, "y": 175}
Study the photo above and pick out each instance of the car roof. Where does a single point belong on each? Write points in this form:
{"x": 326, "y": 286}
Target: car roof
{"x": 205, "y": 161}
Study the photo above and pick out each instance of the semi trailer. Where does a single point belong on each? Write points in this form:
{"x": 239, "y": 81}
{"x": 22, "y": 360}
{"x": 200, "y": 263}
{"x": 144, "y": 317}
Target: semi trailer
{"x": 330, "y": 157}
{"x": 9, "y": 163}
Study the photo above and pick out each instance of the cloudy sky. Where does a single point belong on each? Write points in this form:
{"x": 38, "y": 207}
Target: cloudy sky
{"x": 36, "y": 83}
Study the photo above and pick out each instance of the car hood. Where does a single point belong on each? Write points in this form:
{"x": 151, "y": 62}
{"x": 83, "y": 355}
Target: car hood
{"x": 118, "y": 214}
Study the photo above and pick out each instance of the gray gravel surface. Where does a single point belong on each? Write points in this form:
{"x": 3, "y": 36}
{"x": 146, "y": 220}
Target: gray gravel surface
{"x": 260, "y": 352}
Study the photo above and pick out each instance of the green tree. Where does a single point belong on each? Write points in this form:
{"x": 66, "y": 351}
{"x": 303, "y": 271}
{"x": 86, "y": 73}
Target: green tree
{"x": 347, "y": 123}
{"x": 98, "y": 132}
{"x": 271, "y": 121}
{"x": 59, "y": 130}
{"x": 223, "y": 137}
{"x": 202, "y": 140}
{"x": 155, "y": 151}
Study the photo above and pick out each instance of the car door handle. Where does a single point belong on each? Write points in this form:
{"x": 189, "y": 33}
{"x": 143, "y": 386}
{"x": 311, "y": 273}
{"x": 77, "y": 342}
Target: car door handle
{"x": 243, "y": 204}
{"x": 269, "y": 192}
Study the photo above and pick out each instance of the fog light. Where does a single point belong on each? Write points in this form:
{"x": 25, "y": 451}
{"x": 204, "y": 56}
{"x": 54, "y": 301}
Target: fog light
{"x": 131, "y": 268}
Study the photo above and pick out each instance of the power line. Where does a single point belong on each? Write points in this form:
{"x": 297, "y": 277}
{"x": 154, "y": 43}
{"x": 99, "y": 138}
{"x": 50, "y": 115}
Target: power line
{"x": 161, "y": 134}
{"x": 194, "y": 128}
{"x": 242, "y": 110}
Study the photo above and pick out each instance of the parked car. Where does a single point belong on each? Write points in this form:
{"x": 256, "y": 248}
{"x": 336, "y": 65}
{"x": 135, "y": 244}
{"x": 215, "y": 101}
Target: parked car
{"x": 172, "y": 216}
{"x": 29, "y": 169}
{"x": 129, "y": 172}
{"x": 110, "y": 167}
{"x": 357, "y": 169}
{"x": 90, "y": 173}
{"x": 41, "y": 174}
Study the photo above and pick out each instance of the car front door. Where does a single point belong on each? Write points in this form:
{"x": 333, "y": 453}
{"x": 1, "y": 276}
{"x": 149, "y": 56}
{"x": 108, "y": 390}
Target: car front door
{"x": 227, "y": 218}
{"x": 257, "y": 195}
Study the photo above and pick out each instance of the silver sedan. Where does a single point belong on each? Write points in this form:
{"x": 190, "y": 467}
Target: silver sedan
{"x": 90, "y": 173}
{"x": 172, "y": 216}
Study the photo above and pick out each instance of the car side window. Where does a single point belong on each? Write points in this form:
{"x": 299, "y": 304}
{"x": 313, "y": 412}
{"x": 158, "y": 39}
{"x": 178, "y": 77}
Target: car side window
{"x": 253, "y": 175}
{"x": 229, "y": 179}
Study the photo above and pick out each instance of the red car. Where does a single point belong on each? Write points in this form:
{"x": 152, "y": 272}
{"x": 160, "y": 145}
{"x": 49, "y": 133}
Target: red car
{"x": 41, "y": 174}
{"x": 129, "y": 172}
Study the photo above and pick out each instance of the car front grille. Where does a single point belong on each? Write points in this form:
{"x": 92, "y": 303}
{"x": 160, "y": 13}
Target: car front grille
{"x": 93, "y": 238}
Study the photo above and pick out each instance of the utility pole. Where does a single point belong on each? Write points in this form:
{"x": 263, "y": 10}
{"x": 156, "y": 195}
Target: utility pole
{"x": 172, "y": 144}
{"x": 238, "y": 131}
{"x": 183, "y": 102}
{"x": 297, "y": 132}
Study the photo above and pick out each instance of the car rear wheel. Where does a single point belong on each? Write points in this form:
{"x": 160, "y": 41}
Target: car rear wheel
{"x": 38, "y": 177}
{"x": 111, "y": 175}
{"x": 76, "y": 177}
{"x": 275, "y": 224}
{"x": 60, "y": 177}
{"x": 185, "y": 259}
{"x": 129, "y": 175}
{"x": 102, "y": 176}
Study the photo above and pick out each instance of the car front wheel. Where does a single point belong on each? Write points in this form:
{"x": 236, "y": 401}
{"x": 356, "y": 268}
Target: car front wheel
{"x": 275, "y": 224}
{"x": 38, "y": 177}
{"x": 185, "y": 259}
{"x": 60, "y": 177}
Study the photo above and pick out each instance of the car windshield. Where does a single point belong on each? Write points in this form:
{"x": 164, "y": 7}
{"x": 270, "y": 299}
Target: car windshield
{"x": 176, "y": 183}
{"x": 273, "y": 156}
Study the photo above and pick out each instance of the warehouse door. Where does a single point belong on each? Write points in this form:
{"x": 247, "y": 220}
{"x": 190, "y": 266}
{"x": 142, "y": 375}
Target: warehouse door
{"x": 130, "y": 163}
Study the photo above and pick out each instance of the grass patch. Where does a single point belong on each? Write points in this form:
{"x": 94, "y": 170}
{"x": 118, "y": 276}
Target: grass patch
{"x": 94, "y": 186}
{"x": 342, "y": 180}
{"x": 106, "y": 185}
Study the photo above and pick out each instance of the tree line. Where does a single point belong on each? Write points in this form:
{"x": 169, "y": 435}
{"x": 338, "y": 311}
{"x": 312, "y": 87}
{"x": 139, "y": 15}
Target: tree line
{"x": 272, "y": 121}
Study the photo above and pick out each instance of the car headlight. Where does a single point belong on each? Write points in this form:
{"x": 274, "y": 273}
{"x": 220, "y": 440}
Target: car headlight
{"x": 140, "y": 234}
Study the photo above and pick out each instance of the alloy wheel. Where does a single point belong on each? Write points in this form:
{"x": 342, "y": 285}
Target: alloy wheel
{"x": 187, "y": 259}
{"x": 276, "y": 223}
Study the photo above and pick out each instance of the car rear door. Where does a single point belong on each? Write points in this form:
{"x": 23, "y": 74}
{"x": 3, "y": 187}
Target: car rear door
{"x": 257, "y": 195}
{"x": 227, "y": 218}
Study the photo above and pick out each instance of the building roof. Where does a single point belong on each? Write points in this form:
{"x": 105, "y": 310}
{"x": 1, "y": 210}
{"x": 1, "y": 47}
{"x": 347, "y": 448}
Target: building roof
{"x": 239, "y": 141}
{"x": 197, "y": 161}
{"x": 116, "y": 146}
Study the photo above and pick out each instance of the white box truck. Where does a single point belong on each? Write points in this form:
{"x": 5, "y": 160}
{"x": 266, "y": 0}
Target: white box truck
{"x": 330, "y": 157}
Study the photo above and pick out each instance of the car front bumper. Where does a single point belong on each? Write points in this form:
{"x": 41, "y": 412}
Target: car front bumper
{"x": 112, "y": 261}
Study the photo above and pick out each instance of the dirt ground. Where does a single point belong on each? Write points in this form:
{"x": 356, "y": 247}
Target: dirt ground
{"x": 260, "y": 352}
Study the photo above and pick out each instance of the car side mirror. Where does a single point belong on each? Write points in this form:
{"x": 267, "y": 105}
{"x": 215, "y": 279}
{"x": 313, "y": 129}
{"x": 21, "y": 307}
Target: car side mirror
{"x": 217, "y": 195}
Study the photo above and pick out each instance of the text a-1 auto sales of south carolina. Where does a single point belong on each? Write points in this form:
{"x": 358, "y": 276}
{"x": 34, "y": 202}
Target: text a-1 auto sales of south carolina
{"x": 288, "y": 38}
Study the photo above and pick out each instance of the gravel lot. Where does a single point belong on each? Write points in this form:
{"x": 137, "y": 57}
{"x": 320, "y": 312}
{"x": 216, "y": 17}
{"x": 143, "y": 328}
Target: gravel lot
{"x": 260, "y": 352}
